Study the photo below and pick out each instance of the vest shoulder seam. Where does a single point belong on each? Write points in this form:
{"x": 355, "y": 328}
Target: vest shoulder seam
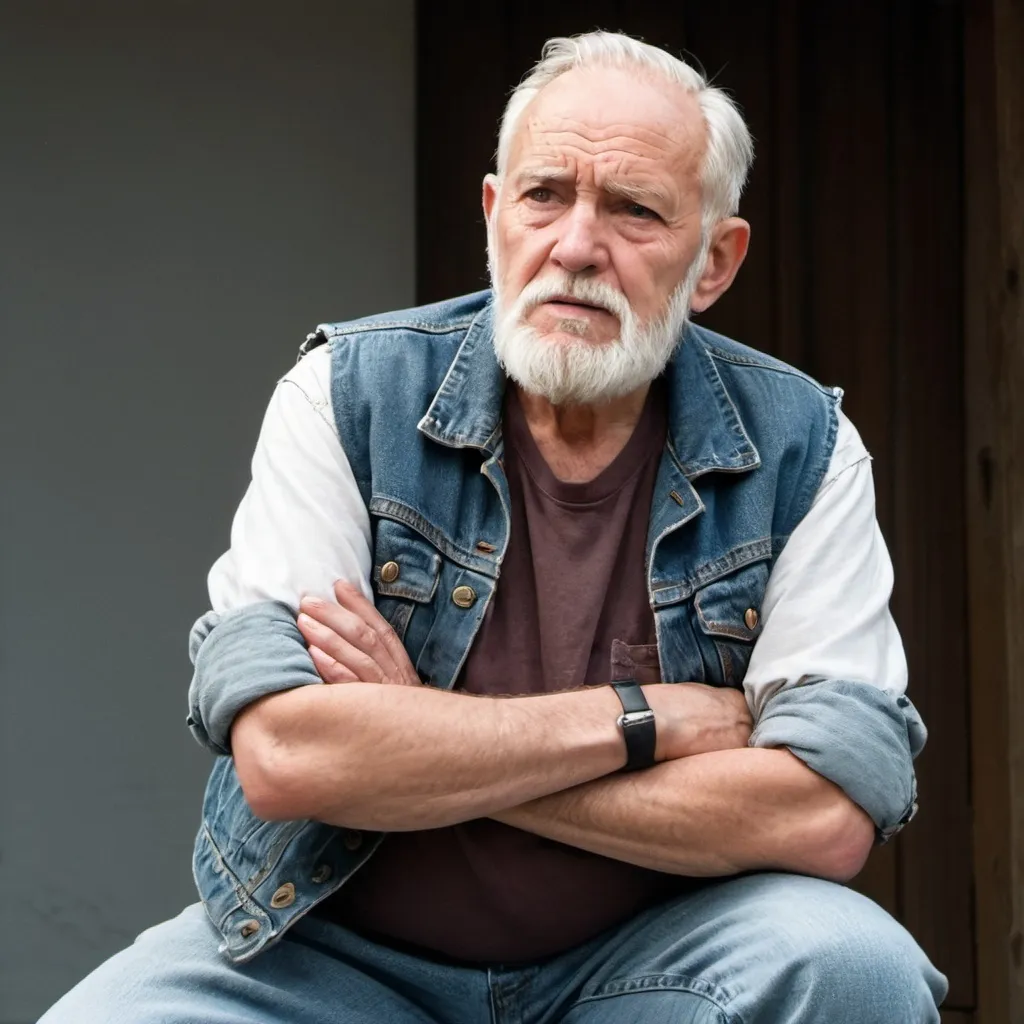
{"x": 767, "y": 363}
{"x": 333, "y": 331}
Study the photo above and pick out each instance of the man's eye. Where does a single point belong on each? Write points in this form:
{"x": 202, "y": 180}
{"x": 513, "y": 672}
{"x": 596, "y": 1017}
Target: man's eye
{"x": 539, "y": 195}
{"x": 641, "y": 212}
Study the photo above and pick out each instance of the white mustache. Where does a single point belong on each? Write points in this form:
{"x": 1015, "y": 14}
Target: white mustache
{"x": 593, "y": 293}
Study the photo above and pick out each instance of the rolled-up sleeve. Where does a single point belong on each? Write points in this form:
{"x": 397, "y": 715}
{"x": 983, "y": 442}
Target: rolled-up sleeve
{"x": 828, "y": 677}
{"x": 239, "y": 657}
{"x": 301, "y": 526}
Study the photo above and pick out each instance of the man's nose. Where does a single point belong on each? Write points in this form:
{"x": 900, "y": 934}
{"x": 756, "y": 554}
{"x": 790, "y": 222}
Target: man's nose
{"x": 580, "y": 246}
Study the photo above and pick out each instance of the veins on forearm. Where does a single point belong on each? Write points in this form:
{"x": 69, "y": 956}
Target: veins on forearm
{"x": 633, "y": 818}
{"x": 706, "y": 815}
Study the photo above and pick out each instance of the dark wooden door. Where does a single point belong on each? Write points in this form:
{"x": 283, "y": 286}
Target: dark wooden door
{"x": 854, "y": 275}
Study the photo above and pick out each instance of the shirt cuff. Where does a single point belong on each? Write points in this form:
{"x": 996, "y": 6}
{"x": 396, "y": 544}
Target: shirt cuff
{"x": 239, "y": 657}
{"x": 854, "y": 734}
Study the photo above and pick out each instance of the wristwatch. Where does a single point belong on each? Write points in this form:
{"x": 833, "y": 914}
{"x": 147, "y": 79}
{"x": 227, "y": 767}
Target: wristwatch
{"x": 637, "y": 725}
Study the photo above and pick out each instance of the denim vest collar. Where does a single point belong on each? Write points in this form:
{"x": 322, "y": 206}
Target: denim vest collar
{"x": 466, "y": 410}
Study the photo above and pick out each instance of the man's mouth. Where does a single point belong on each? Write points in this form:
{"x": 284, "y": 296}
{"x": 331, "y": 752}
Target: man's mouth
{"x": 565, "y": 300}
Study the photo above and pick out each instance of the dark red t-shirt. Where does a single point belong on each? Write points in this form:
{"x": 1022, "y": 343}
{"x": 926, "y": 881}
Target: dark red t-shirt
{"x": 571, "y": 608}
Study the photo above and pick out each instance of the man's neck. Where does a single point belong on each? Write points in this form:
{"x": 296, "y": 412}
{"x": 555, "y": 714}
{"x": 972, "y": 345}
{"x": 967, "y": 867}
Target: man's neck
{"x": 578, "y": 442}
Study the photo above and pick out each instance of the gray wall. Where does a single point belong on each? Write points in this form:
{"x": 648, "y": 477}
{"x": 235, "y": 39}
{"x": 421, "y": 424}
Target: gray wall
{"x": 185, "y": 190}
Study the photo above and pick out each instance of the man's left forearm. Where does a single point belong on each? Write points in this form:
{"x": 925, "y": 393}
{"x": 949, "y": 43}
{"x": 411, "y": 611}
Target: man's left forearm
{"x": 709, "y": 815}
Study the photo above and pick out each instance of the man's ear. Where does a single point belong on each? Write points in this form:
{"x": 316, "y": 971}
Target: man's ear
{"x": 729, "y": 241}
{"x": 490, "y": 195}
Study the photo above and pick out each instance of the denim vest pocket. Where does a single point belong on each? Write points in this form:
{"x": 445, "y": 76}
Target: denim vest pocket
{"x": 406, "y": 570}
{"x": 729, "y": 619}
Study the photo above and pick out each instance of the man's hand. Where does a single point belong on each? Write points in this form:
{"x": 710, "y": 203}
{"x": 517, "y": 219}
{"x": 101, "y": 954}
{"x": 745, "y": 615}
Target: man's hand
{"x": 692, "y": 718}
{"x": 352, "y": 642}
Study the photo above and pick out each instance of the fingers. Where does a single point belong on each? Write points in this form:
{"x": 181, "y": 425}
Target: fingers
{"x": 352, "y": 598}
{"x": 330, "y": 671}
{"x": 337, "y": 629}
{"x": 333, "y": 645}
{"x": 354, "y": 636}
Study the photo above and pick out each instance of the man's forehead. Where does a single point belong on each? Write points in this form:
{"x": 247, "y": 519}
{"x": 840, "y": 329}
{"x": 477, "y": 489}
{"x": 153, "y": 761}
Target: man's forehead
{"x": 615, "y": 176}
{"x": 608, "y": 115}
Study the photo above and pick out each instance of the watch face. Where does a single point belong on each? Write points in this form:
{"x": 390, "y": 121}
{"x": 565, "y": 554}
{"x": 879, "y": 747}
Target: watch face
{"x": 634, "y": 718}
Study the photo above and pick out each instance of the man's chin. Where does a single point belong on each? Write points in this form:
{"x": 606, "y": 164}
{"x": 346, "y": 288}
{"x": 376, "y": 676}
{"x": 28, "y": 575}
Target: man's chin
{"x": 596, "y": 329}
{"x": 571, "y": 333}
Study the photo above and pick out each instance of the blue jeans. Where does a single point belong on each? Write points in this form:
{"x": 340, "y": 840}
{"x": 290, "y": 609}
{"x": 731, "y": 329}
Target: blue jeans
{"x": 761, "y": 949}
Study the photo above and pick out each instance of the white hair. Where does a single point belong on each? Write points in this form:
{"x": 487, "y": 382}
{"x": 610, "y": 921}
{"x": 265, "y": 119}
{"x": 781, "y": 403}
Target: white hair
{"x": 730, "y": 149}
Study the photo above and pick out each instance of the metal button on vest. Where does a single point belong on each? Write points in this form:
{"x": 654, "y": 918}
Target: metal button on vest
{"x": 464, "y": 597}
{"x": 249, "y": 928}
{"x": 389, "y": 572}
{"x": 750, "y": 617}
{"x": 321, "y": 874}
{"x": 284, "y": 897}
{"x": 352, "y": 840}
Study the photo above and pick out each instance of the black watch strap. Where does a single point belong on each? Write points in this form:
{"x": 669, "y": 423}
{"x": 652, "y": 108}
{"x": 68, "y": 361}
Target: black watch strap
{"x": 637, "y": 725}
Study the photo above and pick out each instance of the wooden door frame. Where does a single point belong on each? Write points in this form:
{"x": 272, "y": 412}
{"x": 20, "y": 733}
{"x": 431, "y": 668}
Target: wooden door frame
{"x": 994, "y": 387}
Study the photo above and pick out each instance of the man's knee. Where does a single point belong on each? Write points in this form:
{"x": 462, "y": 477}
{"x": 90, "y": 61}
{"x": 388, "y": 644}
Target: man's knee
{"x": 839, "y": 956}
{"x": 772, "y": 947}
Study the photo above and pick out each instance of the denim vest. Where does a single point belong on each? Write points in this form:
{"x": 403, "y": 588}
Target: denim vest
{"x": 417, "y": 397}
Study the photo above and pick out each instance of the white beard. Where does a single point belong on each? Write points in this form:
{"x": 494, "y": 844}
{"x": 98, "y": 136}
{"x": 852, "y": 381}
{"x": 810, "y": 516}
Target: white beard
{"x": 583, "y": 372}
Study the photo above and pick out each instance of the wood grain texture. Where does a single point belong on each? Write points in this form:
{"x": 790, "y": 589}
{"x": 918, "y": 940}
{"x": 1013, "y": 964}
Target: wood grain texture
{"x": 844, "y": 181}
{"x": 732, "y": 42}
{"x": 790, "y": 139}
{"x": 459, "y": 96}
{"x": 928, "y": 514}
{"x": 994, "y": 93}
{"x": 956, "y": 1017}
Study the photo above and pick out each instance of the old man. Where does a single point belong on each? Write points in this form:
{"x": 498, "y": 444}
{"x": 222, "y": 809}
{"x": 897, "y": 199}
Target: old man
{"x": 616, "y": 703}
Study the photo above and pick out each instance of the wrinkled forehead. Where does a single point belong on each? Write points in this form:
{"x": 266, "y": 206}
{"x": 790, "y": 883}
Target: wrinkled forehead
{"x": 612, "y": 119}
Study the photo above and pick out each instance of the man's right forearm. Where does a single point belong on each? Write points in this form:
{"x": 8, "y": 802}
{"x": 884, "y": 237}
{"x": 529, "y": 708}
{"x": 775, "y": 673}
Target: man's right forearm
{"x": 396, "y": 758}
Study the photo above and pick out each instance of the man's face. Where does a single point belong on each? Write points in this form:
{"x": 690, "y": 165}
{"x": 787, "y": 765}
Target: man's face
{"x": 596, "y": 224}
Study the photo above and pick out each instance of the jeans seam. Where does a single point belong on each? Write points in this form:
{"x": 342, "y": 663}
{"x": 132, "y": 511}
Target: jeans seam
{"x": 660, "y": 982}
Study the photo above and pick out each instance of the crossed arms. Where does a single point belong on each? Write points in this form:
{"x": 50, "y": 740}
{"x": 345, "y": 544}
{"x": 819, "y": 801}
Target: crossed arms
{"x": 397, "y": 757}
{"x": 829, "y": 759}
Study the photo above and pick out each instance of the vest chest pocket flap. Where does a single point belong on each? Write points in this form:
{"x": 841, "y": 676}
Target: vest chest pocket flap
{"x": 406, "y": 571}
{"x": 728, "y": 617}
